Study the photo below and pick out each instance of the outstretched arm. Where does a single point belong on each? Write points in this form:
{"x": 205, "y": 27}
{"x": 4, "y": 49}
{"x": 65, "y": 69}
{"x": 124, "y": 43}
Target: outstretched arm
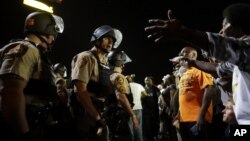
{"x": 207, "y": 67}
{"x": 172, "y": 28}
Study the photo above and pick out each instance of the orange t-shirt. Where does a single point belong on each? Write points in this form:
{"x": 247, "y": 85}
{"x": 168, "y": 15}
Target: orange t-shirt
{"x": 191, "y": 92}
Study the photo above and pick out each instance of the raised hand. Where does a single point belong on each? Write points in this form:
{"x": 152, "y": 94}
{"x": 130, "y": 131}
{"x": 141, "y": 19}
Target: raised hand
{"x": 160, "y": 29}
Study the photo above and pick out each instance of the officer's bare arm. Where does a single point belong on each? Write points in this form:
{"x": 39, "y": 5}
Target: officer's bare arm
{"x": 83, "y": 96}
{"x": 13, "y": 103}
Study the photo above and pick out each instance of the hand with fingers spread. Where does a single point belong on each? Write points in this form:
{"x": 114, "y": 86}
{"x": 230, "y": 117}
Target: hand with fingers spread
{"x": 173, "y": 29}
{"x": 159, "y": 28}
{"x": 230, "y": 45}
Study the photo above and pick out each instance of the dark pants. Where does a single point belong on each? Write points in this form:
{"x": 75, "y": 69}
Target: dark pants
{"x": 150, "y": 125}
{"x": 85, "y": 127}
{"x": 118, "y": 123}
{"x": 169, "y": 131}
{"x": 189, "y": 133}
{"x": 218, "y": 128}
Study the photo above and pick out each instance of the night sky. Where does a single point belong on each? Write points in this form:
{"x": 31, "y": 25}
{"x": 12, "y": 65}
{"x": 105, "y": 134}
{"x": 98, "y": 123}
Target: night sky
{"x": 81, "y": 17}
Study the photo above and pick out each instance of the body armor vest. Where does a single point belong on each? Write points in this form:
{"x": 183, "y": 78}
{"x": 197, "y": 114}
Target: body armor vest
{"x": 104, "y": 88}
{"x": 101, "y": 89}
{"x": 42, "y": 88}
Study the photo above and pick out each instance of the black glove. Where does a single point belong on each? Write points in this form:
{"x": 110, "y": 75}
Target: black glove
{"x": 100, "y": 123}
{"x": 102, "y": 131}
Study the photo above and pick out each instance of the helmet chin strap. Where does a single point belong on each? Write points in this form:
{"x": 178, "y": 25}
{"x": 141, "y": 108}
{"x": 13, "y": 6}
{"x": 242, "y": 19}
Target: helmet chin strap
{"x": 49, "y": 46}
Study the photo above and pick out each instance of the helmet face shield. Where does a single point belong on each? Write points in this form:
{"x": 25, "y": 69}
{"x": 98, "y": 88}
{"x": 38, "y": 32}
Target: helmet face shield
{"x": 125, "y": 57}
{"x": 59, "y": 27}
{"x": 61, "y": 69}
{"x": 43, "y": 23}
{"x": 118, "y": 58}
{"x": 118, "y": 37}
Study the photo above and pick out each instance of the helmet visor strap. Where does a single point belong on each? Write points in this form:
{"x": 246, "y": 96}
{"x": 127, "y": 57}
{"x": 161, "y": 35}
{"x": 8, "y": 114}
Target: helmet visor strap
{"x": 49, "y": 46}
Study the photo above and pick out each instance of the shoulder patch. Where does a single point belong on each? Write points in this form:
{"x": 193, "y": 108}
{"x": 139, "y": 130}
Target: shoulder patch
{"x": 119, "y": 80}
{"x": 82, "y": 61}
{"x": 18, "y": 50}
{"x": 120, "y": 84}
{"x": 121, "y": 89}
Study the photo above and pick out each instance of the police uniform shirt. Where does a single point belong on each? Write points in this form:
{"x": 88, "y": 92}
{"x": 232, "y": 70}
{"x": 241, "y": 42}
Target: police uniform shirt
{"x": 21, "y": 58}
{"x": 85, "y": 67}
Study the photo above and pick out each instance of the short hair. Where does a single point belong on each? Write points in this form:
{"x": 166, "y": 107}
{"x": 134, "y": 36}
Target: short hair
{"x": 238, "y": 15}
{"x": 130, "y": 78}
{"x": 150, "y": 77}
{"x": 192, "y": 50}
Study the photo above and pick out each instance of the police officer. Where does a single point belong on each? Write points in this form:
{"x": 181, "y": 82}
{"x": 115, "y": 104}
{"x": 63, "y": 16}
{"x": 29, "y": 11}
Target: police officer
{"x": 120, "y": 112}
{"x": 60, "y": 70}
{"x": 91, "y": 84}
{"x": 62, "y": 82}
{"x": 60, "y": 112}
{"x": 26, "y": 79}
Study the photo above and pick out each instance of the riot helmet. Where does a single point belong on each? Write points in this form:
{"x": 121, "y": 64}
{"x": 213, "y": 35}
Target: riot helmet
{"x": 118, "y": 58}
{"x": 60, "y": 69}
{"x": 106, "y": 30}
{"x": 43, "y": 23}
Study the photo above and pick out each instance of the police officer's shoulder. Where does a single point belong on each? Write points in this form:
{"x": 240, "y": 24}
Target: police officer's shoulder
{"x": 85, "y": 54}
{"x": 84, "y": 57}
{"x": 20, "y": 48}
{"x": 31, "y": 48}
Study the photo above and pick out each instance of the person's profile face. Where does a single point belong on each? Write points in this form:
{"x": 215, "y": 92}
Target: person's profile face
{"x": 187, "y": 52}
{"x": 229, "y": 30}
{"x": 106, "y": 43}
{"x": 228, "y": 113}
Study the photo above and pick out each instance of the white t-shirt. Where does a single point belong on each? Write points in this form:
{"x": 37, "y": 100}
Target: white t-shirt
{"x": 241, "y": 96}
{"x": 136, "y": 90}
{"x": 235, "y": 51}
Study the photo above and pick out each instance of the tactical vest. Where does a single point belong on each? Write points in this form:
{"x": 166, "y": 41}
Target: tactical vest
{"x": 42, "y": 91}
{"x": 44, "y": 87}
{"x": 103, "y": 88}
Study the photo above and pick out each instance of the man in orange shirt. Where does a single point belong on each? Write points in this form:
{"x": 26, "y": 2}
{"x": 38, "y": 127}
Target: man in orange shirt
{"x": 195, "y": 106}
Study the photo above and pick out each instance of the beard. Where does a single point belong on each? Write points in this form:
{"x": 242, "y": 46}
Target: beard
{"x": 105, "y": 50}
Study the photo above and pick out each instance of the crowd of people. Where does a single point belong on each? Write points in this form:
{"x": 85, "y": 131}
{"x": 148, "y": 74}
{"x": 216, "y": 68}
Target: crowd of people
{"x": 200, "y": 100}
